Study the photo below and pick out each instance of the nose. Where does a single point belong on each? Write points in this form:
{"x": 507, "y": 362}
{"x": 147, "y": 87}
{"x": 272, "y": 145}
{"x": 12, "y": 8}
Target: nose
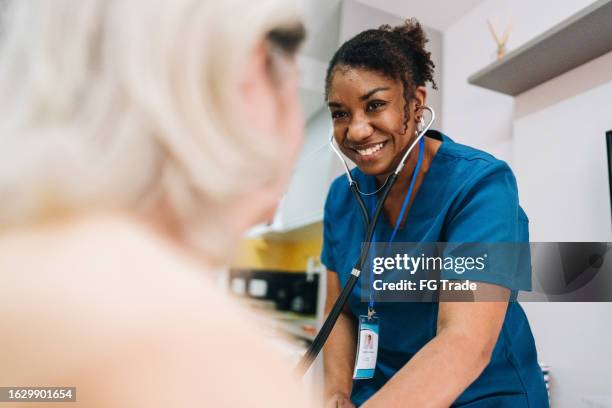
{"x": 359, "y": 129}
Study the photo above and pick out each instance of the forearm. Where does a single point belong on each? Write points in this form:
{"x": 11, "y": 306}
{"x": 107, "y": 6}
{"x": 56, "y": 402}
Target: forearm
{"x": 436, "y": 375}
{"x": 339, "y": 357}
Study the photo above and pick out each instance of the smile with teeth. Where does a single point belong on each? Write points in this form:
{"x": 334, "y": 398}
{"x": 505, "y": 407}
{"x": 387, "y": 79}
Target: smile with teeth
{"x": 370, "y": 150}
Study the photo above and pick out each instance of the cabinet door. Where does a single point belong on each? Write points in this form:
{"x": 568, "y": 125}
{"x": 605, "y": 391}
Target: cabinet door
{"x": 317, "y": 167}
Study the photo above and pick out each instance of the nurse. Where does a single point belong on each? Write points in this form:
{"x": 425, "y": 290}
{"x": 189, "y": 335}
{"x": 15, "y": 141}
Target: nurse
{"x": 430, "y": 354}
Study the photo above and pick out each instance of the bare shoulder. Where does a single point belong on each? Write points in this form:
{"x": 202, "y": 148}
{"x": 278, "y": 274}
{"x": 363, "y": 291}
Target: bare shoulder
{"x": 115, "y": 261}
{"x": 111, "y": 306}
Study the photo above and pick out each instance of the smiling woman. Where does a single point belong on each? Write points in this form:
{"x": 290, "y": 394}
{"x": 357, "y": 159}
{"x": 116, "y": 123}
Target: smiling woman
{"x": 374, "y": 102}
{"x": 371, "y": 113}
{"x": 482, "y": 352}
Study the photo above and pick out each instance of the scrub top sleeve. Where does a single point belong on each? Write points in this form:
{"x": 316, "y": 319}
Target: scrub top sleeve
{"x": 486, "y": 215}
{"x": 327, "y": 253}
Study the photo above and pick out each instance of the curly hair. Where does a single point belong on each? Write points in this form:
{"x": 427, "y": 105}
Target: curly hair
{"x": 396, "y": 52}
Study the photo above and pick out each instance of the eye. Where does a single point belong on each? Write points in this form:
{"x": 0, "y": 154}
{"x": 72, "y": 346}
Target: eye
{"x": 373, "y": 106}
{"x": 338, "y": 114}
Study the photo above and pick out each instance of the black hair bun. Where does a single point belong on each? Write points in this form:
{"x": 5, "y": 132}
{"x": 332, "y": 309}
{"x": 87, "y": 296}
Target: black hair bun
{"x": 411, "y": 31}
{"x": 412, "y": 39}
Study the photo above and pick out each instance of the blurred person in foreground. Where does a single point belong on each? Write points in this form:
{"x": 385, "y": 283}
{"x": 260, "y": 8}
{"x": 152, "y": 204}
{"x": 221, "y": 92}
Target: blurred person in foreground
{"x": 139, "y": 140}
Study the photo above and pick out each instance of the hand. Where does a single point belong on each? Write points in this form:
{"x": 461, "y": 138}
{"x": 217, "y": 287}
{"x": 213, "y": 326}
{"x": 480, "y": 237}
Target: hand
{"x": 339, "y": 401}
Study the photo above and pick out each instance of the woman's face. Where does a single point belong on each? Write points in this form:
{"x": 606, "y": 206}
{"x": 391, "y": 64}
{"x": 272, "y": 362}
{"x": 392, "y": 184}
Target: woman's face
{"x": 367, "y": 110}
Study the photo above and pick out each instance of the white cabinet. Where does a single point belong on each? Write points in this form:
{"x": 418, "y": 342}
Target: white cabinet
{"x": 317, "y": 167}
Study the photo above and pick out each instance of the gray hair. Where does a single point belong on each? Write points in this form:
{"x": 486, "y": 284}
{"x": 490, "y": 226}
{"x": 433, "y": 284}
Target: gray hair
{"x": 112, "y": 104}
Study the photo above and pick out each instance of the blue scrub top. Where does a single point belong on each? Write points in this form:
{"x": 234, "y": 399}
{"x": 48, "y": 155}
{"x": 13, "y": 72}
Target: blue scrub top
{"x": 467, "y": 196}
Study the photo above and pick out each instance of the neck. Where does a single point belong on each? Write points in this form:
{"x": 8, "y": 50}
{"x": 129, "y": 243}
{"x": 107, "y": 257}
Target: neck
{"x": 400, "y": 187}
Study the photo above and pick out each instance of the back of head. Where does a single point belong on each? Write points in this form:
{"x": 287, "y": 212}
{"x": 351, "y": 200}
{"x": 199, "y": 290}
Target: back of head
{"x": 114, "y": 104}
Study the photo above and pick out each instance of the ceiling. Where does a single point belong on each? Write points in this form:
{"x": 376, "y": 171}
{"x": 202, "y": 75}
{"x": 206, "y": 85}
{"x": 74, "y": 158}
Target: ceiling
{"x": 437, "y": 14}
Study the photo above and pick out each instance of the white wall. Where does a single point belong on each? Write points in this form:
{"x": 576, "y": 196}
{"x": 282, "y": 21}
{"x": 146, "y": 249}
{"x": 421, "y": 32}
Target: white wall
{"x": 316, "y": 168}
{"x": 561, "y": 167}
{"x": 560, "y": 158}
{"x": 473, "y": 115}
{"x": 553, "y": 136}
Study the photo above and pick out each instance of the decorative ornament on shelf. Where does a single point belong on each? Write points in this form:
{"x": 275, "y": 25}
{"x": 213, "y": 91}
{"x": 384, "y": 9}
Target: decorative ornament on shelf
{"x": 501, "y": 42}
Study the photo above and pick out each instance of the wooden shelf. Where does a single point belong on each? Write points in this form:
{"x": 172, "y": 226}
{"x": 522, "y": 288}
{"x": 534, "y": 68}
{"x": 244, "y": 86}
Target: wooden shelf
{"x": 575, "y": 41}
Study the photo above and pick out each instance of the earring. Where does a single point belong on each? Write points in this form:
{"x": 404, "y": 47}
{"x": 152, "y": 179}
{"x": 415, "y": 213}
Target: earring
{"x": 421, "y": 121}
{"x": 420, "y": 126}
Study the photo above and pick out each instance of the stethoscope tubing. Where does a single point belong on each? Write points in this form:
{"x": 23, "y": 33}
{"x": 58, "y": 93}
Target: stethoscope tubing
{"x": 370, "y": 224}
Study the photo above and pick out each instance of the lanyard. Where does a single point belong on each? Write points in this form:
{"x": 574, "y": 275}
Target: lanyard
{"x": 401, "y": 214}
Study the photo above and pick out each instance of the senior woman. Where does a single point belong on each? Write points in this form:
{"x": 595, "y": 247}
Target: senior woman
{"x": 430, "y": 354}
{"x": 139, "y": 140}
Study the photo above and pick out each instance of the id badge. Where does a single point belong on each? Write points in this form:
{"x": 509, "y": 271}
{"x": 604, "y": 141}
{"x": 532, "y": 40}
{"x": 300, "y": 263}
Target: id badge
{"x": 367, "y": 348}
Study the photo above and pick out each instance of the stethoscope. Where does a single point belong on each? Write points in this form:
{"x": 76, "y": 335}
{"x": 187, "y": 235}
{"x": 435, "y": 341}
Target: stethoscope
{"x": 370, "y": 223}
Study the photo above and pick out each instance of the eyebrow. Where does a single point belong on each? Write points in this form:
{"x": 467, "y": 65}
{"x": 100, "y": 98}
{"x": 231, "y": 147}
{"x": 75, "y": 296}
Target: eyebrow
{"x": 364, "y": 97}
{"x": 373, "y": 91}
